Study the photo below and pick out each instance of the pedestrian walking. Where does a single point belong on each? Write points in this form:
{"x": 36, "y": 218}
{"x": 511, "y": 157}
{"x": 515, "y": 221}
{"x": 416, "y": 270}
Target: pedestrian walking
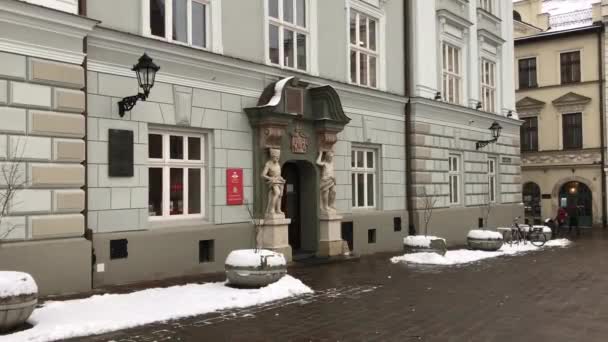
{"x": 573, "y": 215}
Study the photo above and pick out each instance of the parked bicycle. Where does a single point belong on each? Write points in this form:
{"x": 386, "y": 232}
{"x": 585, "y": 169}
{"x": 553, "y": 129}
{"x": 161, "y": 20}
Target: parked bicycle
{"x": 524, "y": 233}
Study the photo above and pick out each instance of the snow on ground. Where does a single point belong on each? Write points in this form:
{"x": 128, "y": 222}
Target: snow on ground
{"x": 465, "y": 256}
{"x": 419, "y": 240}
{"x": 16, "y": 284}
{"x": 252, "y": 258}
{"x": 111, "y": 312}
{"x": 484, "y": 234}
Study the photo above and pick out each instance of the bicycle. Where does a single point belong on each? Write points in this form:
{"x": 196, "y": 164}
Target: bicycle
{"x": 535, "y": 235}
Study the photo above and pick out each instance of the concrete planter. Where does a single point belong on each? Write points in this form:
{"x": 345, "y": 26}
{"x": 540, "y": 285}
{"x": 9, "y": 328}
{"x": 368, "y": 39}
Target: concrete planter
{"x": 484, "y": 240}
{"x": 18, "y": 298}
{"x": 248, "y": 268}
{"x": 435, "y": 245}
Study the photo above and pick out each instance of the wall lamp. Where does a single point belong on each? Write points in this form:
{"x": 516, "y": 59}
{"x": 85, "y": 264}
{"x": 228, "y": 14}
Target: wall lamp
{"x": 495, "y": 129}
{"x": 146, "y": 70}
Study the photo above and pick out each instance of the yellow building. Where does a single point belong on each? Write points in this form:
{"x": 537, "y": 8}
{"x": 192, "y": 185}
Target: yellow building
{"x": 558, "y": 94}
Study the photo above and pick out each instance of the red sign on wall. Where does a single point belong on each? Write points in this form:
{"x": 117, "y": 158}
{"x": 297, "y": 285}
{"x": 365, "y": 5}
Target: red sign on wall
{"x": 234, "y": 186}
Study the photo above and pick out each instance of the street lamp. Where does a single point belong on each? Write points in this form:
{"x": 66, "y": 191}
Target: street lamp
{"x": 495, "y": 129}
{"x": 146, "y": 70}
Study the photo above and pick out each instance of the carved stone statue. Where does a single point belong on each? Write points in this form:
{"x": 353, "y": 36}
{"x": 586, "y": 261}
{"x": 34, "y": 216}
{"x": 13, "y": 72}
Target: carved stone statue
{"x": 328, "y": 182}
{"x": 272, "y": 175}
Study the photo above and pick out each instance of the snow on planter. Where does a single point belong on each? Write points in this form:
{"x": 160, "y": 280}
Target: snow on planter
{"x": 111, "y": 312}
{"x": 254, "y": 258}
{"x": 420, "y": 240}
{"x": 254, "y": 268}
{"x": 464, "y": 256}
{"x": 14, "y": 284}
{"x": 479, "y": 234}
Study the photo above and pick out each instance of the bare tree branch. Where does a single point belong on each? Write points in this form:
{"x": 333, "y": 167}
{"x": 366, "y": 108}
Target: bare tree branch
{"x": 486, "y": 209}
{"x": 12, "y": 179}
{"x": 257, "y": 225}
{"x": 429, "y": 205}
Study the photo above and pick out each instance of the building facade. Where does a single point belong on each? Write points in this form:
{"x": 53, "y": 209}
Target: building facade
{"x": 559, "y": 98}
{"x": 461, "y": 83}
{"x": 168, "y": 185}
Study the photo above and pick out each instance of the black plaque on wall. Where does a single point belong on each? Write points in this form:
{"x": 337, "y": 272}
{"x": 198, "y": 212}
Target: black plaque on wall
{"x": 546, "y": 196}
{"x": 120, "y": 153}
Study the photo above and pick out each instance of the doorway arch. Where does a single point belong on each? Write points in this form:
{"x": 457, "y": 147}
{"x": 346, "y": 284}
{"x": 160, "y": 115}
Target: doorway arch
{"x": 300, "y": 203}
{"x": 532, "y": 202}
{"x": 577, "y": 199}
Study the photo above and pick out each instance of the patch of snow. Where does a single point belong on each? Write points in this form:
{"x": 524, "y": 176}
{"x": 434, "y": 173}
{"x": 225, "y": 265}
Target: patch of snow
{"x": 16, "y": 284}
{"x": 278, "y": 91}
{"x": 465, "y": 256}
{"x": 420, "y": 240}
{"x": 484, "y": 234}
{"x": 253, "y": 258}
{"x": 557, "y": 7}
{"x": 111, "y": 312}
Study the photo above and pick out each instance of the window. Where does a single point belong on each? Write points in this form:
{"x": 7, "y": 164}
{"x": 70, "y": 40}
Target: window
{"x": 492, "y": 180}
{"x": 288, "y": 33}
{"x": 570, "y": 64}
{"x": 363, "y": 49}
{"x": 363, "y": 178}
{"x": 527, "y": 73}
{"x": 529, "y": 134}
{"x": 454, "y": 161}
{"x": 487, "y": 5}
{"x": 183, "y": 21}
{"x": 572, "y": 131}
{"x": 488, "y": 85}
{"x": 176, "y": 175}
{"x": 206, "y": 250}
{"x": 451, "y": 73}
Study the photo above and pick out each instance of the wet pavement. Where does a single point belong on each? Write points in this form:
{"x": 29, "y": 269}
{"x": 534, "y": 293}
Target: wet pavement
{"x": 553, "y": 295}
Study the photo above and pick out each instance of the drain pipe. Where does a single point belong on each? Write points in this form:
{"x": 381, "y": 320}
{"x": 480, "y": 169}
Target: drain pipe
{"x": 408, "y": 121}
{"x": 602, "y": 111}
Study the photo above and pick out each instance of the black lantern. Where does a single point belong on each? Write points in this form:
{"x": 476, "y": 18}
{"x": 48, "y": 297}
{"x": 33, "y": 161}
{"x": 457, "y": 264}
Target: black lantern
{"x": 495, "y": 129}
{"x": 146, "y": 70}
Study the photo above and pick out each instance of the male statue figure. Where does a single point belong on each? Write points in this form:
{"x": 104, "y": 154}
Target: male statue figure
{"x": 272, "y": 175}
{"x": 328, "y": 182}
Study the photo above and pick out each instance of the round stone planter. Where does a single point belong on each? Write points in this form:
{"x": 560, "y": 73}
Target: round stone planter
{"x": 18, "y": 298}
{"x": 424, "y": 244}
{"x": 251, "y": 268}
{"x": 484, "y": 240}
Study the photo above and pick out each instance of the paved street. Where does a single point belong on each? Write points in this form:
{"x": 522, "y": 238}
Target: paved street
{"x": 555, "y": 295}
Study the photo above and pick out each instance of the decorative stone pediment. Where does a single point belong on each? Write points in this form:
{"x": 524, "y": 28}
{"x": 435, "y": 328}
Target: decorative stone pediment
{"x": 529, "y": 106}
{"x": 571, "y": 102}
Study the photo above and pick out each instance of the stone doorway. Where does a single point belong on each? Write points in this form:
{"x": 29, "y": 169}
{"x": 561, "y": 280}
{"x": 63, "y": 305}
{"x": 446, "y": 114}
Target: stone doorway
{"x": 300, "y": 206}
{"x": 576, "y": 198}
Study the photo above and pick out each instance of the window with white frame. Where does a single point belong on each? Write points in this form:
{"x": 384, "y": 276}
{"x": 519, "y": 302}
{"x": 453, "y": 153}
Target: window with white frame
{"x": 176, "y": 175}
{"x": 487, "y": 5}
{"x": 363, "y": 178}
{"x": 363, "y": 49}
{"x": 288, "y": 33}
{"x": 492, "y": 180}
{"x": 182, "y": 21}
{"x": 488, "y": 85}
{"x": 454, "y": 174}
{"x": 452, "y": 76}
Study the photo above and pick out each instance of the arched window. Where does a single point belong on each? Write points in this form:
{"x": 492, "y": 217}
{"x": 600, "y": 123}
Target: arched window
{"x": 516, "y": 16}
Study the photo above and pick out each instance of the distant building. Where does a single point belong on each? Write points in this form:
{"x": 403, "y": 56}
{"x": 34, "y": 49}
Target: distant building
{"x": 559, "y": 98}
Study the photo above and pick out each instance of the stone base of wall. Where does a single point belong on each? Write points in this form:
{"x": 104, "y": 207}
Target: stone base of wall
{"x": 387, "y": 239}
{"x": 453, "y": 224}
{"x": 59, "y": 266}
{"x": 166, "y": 253}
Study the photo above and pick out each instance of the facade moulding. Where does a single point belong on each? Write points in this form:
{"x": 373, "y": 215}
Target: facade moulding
{"x": 125, "y": 43}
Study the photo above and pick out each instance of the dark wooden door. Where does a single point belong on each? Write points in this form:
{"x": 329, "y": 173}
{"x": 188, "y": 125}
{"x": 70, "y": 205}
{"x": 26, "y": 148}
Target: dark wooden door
{"x": 291, "y": 203}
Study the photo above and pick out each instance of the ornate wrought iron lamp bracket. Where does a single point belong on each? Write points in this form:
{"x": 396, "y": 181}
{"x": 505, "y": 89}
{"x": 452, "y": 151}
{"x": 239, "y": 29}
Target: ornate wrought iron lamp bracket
{"x": 127, "y": 103}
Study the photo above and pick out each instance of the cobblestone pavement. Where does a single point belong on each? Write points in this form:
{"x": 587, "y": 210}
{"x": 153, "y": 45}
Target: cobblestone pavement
{"x": 554, "y": 295}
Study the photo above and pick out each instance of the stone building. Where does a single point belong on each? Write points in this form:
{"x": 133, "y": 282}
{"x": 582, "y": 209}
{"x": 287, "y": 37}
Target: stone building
{"x": 292, "y": 115}
{"x": 461, "y": 83}
{"x": 559, "y": 98}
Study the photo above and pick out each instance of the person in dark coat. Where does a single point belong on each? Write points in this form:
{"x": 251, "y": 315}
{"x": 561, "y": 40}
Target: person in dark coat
{"x": 573, "y": 214}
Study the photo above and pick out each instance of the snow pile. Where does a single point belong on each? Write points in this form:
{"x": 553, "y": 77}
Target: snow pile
{"x": 111, "y": 312}
{"x": 465, "y": 256}
{"x": 16, "y": 284}
{"x": 420, "y": 240}
{"x": 253, "y": 258}
{"x": 479, "y": 234}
